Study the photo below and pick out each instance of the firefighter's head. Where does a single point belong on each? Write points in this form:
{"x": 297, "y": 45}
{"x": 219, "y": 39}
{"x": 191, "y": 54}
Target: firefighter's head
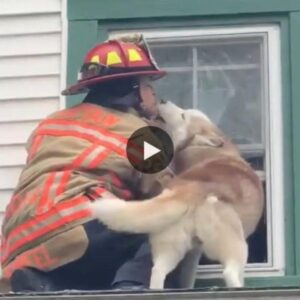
{"x": 114, "y": 70}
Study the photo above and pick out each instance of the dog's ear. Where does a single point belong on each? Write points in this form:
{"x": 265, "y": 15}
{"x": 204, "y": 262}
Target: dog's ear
{"x": 208, "y": 140}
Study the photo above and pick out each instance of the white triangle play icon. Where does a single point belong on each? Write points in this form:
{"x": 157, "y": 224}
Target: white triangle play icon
{"x": 150, "y": 150}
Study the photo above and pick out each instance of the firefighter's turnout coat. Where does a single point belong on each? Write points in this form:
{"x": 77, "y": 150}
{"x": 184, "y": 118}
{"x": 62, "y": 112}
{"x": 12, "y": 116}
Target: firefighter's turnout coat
{"x": 74, "y": 156}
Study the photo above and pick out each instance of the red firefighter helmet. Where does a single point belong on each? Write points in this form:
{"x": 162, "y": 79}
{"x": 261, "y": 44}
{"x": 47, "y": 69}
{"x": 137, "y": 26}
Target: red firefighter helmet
{"x": 112, "y": 60}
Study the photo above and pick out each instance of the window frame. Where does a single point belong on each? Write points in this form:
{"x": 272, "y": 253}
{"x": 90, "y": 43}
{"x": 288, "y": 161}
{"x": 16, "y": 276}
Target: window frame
{"x": 275, "y": 265}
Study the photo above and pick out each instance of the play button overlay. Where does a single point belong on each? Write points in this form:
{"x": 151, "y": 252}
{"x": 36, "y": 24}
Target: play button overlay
{"x": 150, "y": 149}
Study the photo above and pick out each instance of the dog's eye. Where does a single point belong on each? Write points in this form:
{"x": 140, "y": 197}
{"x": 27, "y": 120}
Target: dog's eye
{"x": 183, "y": 116}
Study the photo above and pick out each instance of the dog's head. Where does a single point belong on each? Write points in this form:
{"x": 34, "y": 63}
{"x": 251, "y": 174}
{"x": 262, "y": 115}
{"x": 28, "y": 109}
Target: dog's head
{"x": 189, "y": 126}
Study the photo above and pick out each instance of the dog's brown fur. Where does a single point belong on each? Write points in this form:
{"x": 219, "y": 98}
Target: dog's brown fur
{"x": 223, "y": 172}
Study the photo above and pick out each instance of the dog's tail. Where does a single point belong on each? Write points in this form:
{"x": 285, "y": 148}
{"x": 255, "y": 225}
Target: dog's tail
{"x": 139, "y": 216}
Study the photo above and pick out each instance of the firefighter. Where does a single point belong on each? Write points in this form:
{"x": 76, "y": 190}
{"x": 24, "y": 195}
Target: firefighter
{"x": 77, "y": 155}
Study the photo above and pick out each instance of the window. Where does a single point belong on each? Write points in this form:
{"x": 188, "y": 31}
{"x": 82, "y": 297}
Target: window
{"x": 233, "y": 75}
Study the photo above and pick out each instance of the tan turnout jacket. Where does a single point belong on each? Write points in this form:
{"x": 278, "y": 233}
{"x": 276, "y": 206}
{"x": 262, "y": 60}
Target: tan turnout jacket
{"x": 75, "y": 155}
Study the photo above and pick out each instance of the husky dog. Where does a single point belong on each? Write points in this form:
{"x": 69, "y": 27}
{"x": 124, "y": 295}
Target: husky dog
{"x": 213, "y": 204}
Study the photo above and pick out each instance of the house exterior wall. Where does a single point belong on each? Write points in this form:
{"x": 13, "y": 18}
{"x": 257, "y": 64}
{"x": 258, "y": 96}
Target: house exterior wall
{"x": 31, "y": 43}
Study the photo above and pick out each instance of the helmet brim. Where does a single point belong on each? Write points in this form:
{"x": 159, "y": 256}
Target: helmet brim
{"x": 83, "y": 86}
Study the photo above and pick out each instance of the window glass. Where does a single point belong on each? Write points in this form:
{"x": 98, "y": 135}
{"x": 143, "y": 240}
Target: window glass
{"x": 220, "y": 76}
{"x": 224, "y": 77}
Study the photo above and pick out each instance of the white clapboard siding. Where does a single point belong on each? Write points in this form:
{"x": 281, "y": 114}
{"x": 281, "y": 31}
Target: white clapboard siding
{"x": 16, "y": 133}
{"x": 29, "y": 109}
{"x": 26, "y": 24}
{"x": 30, "y": 44}
{"x": 36, "y": 86}
{"x": 16, "y": 7}
{"x": 18, "y": 66}
{"x": 12, "y": 155}
{"x": 9, "y": 176}
{"x": 30, "y": 79}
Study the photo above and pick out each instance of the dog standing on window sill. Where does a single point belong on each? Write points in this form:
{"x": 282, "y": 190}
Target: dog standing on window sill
{"x": 213, "y": 205}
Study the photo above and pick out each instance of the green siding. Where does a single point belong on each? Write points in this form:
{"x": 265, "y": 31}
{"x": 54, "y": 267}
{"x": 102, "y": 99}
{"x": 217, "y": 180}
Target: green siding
{"x": 82, "y": 36}
{"x": 295, "y": 82}
{"x": 98, "y": 17}
{"x": 133, "y": 9}
{"x": 289, "y": 220}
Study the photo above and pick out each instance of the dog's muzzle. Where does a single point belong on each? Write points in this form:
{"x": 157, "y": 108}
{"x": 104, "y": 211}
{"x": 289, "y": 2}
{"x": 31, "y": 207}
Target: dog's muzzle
{"x": 162, "y": 101}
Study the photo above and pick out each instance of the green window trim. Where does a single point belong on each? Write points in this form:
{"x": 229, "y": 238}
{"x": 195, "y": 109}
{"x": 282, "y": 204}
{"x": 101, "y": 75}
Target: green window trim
{"x": 136, "y": 9}
{"x": 90, "y": 22}
{"x": 295, "y": 103}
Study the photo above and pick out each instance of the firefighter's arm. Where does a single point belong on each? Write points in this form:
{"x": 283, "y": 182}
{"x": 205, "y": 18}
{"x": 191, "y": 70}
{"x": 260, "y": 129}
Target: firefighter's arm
{"x": 153, "y": 184}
